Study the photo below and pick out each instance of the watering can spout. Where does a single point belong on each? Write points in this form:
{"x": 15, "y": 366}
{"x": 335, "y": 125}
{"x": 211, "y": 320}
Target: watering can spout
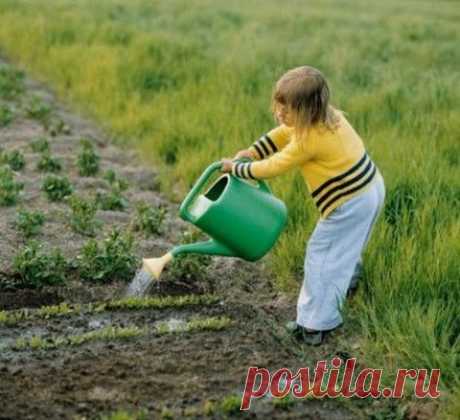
{"x": 154, "y": 266}
{"x": 211, "y": 247}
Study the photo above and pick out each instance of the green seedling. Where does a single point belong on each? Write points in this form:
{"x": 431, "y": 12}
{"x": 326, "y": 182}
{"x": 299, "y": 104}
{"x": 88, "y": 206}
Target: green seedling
{"x": 9, "y": 188}
{"x": 6, "y": 115}
{"x": 104, "y": 334}
{"x": 148, "y": 219}
{"x": 230, "y": 404}
{"x": 115, "y": 181}
{"x": 112, "y": 200}
{"x": 135, "y": 303}
{"x": 57, "y": 188}
{"x": 29, "y": 222}
{"x": 37, "y": 268}
{"x": 108, "y": 260}
{"x": 125, "y": 415}
{"x": 40, "y": 145}
{"x": 11, "y": 82}
{"x": 14, "y": 159}
{"x": 54, "y": 311}
{"x": 88, "y": 159}
{"x": 56, "y": 126}
{"x": 82, "y": 218}
{"x": 166, "y": 414}
{"x": 47, "y": 163}
{"x": 38, "y": 110}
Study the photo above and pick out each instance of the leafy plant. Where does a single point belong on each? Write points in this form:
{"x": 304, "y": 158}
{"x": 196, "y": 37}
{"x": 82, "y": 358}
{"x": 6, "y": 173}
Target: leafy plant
{"x": 11, "y": 82}
{"x": 57, "y": 126}
{"x": 15, "y": 159}
{"x": 6, "y": 115}
{"x": 115, "y": 181}
{"x": 82, "y": 218}
{"x": 56, "y": 187}
{"x": 148, "y": 219}
{"x": 40, "y": 145}
{"x": 112, "y": 200}
{"x": 9, "y": 188}
{"x": 47, "y": 163}
{"x": 107, "y": 260}
{"x": 88, "y": 159}
{"x": 190, "y": 267}
{"x": 38, "y": 110}
{"x": 29, "y": 223}
{"x": 37, "y": 268}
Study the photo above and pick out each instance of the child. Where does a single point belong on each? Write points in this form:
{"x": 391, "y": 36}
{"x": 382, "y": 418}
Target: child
{"x": 344, "y": 183}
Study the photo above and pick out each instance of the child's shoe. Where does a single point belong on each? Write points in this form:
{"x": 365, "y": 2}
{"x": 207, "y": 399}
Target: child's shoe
{"x": 312, "y": 338}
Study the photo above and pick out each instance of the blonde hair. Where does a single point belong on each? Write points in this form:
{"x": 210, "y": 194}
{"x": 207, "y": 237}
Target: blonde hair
{"x": 304, "y": 91}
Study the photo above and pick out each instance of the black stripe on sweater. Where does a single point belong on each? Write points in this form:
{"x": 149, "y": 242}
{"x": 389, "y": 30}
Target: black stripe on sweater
{"x": 243, "y": 170}
{"x": 350, "y": 191}
{"x": 262, "y": 144}
{"x": 270, "y": 142}
{"x": 256, "y": 146}
{"x": 339, "y": 177}
{"x": 345, "y": 184}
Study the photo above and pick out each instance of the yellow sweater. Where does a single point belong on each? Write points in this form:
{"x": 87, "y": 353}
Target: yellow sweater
{"x": 335, "y": 165}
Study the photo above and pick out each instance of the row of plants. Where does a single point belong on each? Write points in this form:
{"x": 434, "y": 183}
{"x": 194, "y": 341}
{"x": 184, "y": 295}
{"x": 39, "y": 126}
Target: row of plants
{"x": 65, "y": 309}
{"x": 112, "y": 258}
{"x": 110, "y": 333}
{"x": 106, "y": 260}
{"x": 229, "y": 405}
{"x": 59, "y": 188}
{"x": 12, "y": 89}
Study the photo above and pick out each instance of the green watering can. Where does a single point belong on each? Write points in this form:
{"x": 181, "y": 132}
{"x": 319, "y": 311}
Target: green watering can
{"x": 242, "y": 219}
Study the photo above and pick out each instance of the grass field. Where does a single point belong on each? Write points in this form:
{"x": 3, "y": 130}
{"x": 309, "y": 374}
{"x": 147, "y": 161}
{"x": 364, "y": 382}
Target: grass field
{"x": 189, "y": 82}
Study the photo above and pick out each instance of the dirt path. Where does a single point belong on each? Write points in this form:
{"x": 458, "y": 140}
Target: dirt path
{"x": 180, "y": 374}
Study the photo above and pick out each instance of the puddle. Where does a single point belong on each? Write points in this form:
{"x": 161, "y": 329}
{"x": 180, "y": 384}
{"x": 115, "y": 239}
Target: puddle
{"x": 99, "y": 322}
{"x": 173, "y": 324}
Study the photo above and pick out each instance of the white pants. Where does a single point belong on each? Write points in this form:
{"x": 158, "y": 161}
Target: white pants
{"x": 333, "y": 257}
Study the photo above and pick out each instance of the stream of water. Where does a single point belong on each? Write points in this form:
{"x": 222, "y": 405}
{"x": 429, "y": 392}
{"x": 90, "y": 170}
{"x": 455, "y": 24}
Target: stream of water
{"x": 140, "y": 284}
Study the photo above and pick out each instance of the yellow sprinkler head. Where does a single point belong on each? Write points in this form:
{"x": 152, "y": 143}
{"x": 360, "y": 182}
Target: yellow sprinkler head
{"x": 154, "y": 266}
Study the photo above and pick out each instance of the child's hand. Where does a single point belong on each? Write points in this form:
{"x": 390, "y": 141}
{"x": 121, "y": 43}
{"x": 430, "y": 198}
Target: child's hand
{"x": 226, "y": 165}
{"x": 245, "y": 153}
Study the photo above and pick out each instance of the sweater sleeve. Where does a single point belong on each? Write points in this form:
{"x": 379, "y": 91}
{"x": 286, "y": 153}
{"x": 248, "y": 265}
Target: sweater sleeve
{"x": 271, "y": 142}
{"x": 295, "y": 154}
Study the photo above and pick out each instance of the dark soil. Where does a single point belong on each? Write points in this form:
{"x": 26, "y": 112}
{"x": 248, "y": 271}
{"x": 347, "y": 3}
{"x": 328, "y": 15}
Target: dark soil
{"x": 175, "y": 372}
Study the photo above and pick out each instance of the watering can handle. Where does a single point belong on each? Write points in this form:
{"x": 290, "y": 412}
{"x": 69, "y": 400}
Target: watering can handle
{"x": 183, "y": 211}
{"x": 262, "y": 184}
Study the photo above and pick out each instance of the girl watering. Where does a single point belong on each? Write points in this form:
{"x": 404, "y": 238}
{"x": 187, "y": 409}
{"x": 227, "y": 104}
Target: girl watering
{"x": 345, "y": 185}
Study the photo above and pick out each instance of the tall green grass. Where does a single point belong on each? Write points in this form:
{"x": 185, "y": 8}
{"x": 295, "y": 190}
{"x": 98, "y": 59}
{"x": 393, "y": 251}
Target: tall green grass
{"x": 188, "y": 82}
